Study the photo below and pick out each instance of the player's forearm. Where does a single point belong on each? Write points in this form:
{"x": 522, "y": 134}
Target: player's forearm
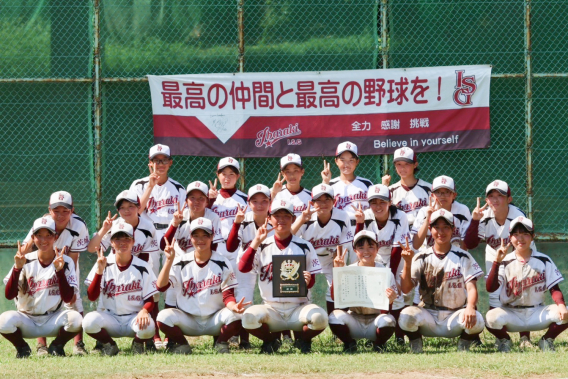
{"x": 406, "y": 284}
{"x": 94, "y": 289}
{"x": 164, "y": 276}
{"x": 232, "y": 243}
{"x": 297, "y": 225}
{"x": 149, "y": 304}
{"x": 419, "y": 237}
{"x": 557, "y": 296}
{"x": 168, "y": 236}
{"x": 472, "y": 293}
{"x": 247, "y": 260}
{"x": 144, "y": 199}
{"x": 65, "y": 289}
{"x": 95, "y": 241}
{"x": 11, "y": 290}
{"x": 472, "y": 235}
{"x": 492, "y": 283}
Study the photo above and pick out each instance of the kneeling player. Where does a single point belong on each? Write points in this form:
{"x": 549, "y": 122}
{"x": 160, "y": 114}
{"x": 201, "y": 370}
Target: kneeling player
{"x": 128, "y": 285}
{"x": 448, "y": 277}
{"x": 266, "y": 321}
{"x": 204, "y": 285}
{"x": 41, "y": 282}
{"x": 362, "y": 322}
{"x": 523, "y": 277}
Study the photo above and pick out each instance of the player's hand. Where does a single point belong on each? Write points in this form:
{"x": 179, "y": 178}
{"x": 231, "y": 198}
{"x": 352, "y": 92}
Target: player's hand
{"x": 261, "y": 233}
{"x": 169, "y": 250}
{"x": 178, "y": 216}
{"x": 307, "y": 277}
{"x": 101, "y": 260}
{"x": 239, "y": 307}
{"x": 58, "y": 262}
{"x": 241, "y": 211}
{"x": 562, "y": 312}
{"x": 107, "y": 224}
{"x": 213, "y": 192}
{"x": 278, "y": 184}
{"x": 407, "y": 252}
{"x": 20, "y": 257}
{"x": 469, "y": 317}
{"x": 154, "y": 177}
{"x": 502, "y": 251}
{"x": 385, "y": 180}
{"x": 359, "y": 215}
{"x": 326, "y": 173}
{"x": 339, "y": 260}
{"x": 143, "y": 319}
{"x": 391, "y": 294}
{"x": 431, "y": 208}
{"x": 477, "y": 213}
{"x": 27, "y": 248}
{"x": 308, "y": 212}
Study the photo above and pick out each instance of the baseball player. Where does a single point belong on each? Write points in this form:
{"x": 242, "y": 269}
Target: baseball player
{"x": 448, "y": 289}
{"x": 73, "y": 238}
{"x": 326, "y": 228}
{"x": 410, "y": 193}
{"x": 159, "y": 198}
{"x": 291, "y": 171}
{"x": 179, "y": 227}
{"x": 40, "y": 282}
{"x": 125, "y": 286}
{"x": 276, "y": 314}
{"x": 522, "y": 278}
{"x": 362, "y": 322}
{"x": 204, "y": 284}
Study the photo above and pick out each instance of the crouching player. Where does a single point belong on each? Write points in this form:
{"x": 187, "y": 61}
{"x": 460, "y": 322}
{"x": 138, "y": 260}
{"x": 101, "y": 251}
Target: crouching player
{"x": 266, "y": 321}
{"x": 204, "y": 284}
{"x": 448, "y": 289}
{"x": 523, "y": 277}
{"x": 41, "y": 282}
{"x": 126, "y": 286}
{"x": 362, "y": 322}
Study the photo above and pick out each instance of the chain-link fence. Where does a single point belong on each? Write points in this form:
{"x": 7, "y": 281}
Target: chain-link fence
{"x": 75, "y": 106}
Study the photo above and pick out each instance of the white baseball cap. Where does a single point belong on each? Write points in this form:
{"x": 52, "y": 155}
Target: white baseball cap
{"x": 228, "y": 161}
{"x": 499, "y": 185}
{"x": 159, "y": 149}
{"x": 127, "y": 195}
{"x": 61, "y": 198}
{"x": 346, "y": 146}
{"x": 443, "y": 182}
{"x": 44, "y": 223}
{"x": 364, "y": 234}
{"x": 378, "y": 191}
{"x": 258, "y": 188}
{"x": 197, "y": 185}
{"x": 121, "y": 227}
{"x": 281, "y": 204}
{"x": 322, "y": 189}
{"x": 290, "y": 159}
{"x": 521, "y": 220}
{"x": 442, "y": 213}
{"x": 201, "y": 223}
{"x": 405, "y": 154}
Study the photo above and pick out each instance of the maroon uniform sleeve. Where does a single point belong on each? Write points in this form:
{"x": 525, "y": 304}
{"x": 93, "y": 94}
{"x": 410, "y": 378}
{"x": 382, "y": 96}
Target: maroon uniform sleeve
{"x": 171, "y": 232}
{"x": 359, "y": 227}
{"x": 247, "y": 260}
{"x": 556, "y": 294}
{"x": 144, "y": 256}
{"x": 94, "y": 289}
{"x": 471, "y": 235}
{"x": 233, "y": 239}
{"x": 228, "y": 296}
{"x": 492, "y": 283}
{"x": 396, "y": 256}
{"x": 312, "y": 281}
{"x": 163, "y": 289}
{"x": 65, "y": 289}
{"x": 149, "y": 304}
{"x": 11, "y": 290}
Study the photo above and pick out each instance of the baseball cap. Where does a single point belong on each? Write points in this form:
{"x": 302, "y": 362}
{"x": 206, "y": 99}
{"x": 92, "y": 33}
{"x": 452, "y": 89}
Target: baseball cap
{"x": 197, "y": 185}
{"x": 405, "y": 154}
{"x": 378, "y": 191}
{"x": 443, "y": 182}
{"x": 44, "y": 223}
{"x": 290, "y": 159}
{"x": 201, "y": 223}
{"x": 364, "y": 234}
{"x": 281, "y": 204}
{"x": 442, "y": 213}
{"x": 521, "y": 220}
{"x": 127, "y": 195}
{"x": 228, "y": 161}
{"x": 322, "y": 189}
{"x": 121, "y": 227}
{"x": 346, "y": 146}
{"x": 61, "y": 198}
{"x": 499, "y": 185}
{"x": 258, "y": 188}
{"x": 159, "y": 149}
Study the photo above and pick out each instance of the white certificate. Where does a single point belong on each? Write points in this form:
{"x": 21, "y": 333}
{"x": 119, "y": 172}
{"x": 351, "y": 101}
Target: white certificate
{"x": 358, "y": 286}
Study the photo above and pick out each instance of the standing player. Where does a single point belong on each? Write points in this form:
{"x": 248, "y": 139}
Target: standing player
{"x": 205, "y": 284}
{"x": 159, "y": 198}
{"x": 40, "y": 282}
{"x": 448, "y": 289}
{"x": 326, "y": 229}
{"x": 524, "y": 276}
{"x": 73, "y": 238}
{"x": 266, "y": 321}
{"x": 291, "y": 171}
{"x": 126, "y": 286}
{"x": 362, "y": 322}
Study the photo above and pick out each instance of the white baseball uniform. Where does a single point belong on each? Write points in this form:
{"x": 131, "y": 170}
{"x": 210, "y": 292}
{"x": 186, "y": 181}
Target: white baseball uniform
{"x": 443, "y": 294}
{"x": 226, "y": 208}
{"x": 522, "y": 292}
{"x": 144, "y": 238}
{"x": 300, "y": 200}
{"x": 391, "y": 235}
{"x": 353, "y": 193}
{"x": 40, "y": 311}
{"x": 123, "y": 293}
{"x": 410, "y": 200}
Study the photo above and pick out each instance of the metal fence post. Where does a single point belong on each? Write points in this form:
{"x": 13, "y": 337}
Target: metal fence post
{"x": 385, "y": 63}
{"x": 97, "y": 111}
{"x": 241, "y": 28}
{"x": 528, "y": 99}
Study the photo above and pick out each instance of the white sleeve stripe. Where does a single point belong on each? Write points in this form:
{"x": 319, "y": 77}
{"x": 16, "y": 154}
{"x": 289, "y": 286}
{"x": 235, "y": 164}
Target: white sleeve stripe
{"x": 149, "y": 251}
{"x": 151, "y": 294}
{"x": 555, "y": 282}
{"x": 474, "y": 276}
{"x": 229, "y": 287}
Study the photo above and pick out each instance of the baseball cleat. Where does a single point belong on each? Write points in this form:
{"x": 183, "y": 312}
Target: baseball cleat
{"x": 41, "y": 350}
{"x": 350, "y": 347}
{"x": 56, "y": 350}
{"x": 416, "y": 346}
{"x": 79, "y": 349}
{"x": 137, "y": 347}
{"x": 504, "y": 345}
{"x": 305, "y": 347}
{"x": 525, "y": 343}
{"x": 178, "y": 348}
{"x": 464, "y": 345}
{"x": 110, "y": 349}
{"x": 270, "y": 347}
{"x": 24, "y": 351}
{"x": 222, "y": 347}
{"x": 546, "y": 345}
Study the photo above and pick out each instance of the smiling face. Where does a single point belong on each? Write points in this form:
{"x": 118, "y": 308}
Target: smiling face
{"x": 445, "y": 197}
{"x": 61, "y": 216}
{"x": 201, "y": 240}
{"x": 282, "y": 221}
{"x": 44, "y": 240}
{"x": 228, "y": 177}
{"x": 122, "y": 244}
{"x": 293, "y": 174}
{"x": 366, "y": 250}
{"x": 521, "y": 238}
{"x": 196, "y": 201}
{"x": 324, "y": 204}
{"x": 405, "y": 169}
{"x": 498, "y": 202}
{"x": 441, "y": 232}
{"x": 380, "y": 208}
{"x": 128, "y": 211}
{"x": 259, "y": 204}
{"x": 347, "y": 163}
{"x": 162, "y": 163}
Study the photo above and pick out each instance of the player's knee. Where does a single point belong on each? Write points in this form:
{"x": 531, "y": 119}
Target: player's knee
{"x": 73, "y": 321}
{"x": 9, "y": 322}
{"x": 408, "y": 319}
{"x": 496, "y": 318}
{"x": 167, "y": 317}
{"x": 146, "y": 333}
{"x": 385, "y": 321}
{"x": 336, "y": 317}
{"x": 317, "y": 319}
{"x": 251, "y": 320}
{"x": 92, "y": 323}
{"x": 479, "y": 325}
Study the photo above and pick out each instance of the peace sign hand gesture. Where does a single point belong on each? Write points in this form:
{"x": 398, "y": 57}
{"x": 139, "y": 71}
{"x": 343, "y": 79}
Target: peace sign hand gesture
{"x": 20, "y": 257}
{"x": 407, "y": 252}
{"x": 213, "y": 193}
{"x": 169, "y": 250}
{"x": 107, "y": 224}
{"x": 261, "y": 234}
{"x": 477, "y": 213}
{"x": 178, "y": 215}
{"x": 239, "y": 307}
{"x": 326, "y": 172}
{"x": 154, "y": 177}
{"x": 502, "y": 251}
{"x": 241, "y": 211}
{"x": 339, "y": 260}
{"x": 359, "y": 214}
{"x": 58, "y": 262}
{"x": 385, "y": 180}
{"x": 278, "y": 184}
{"x": 308, "y": 212}
{"x": 101, "y": 261}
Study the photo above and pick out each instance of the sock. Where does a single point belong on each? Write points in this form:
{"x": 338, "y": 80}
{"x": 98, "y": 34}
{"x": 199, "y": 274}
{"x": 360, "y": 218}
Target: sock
{"x": 398, "y": 332}
{"x": 499, "y": 333}
{"x": 383, "y": 335}
{"x": 263, "y": 333}
{"x": 244, "y": 335}
{"x": 554, "y": 330}
{"x": 414, "y": 335}
{"x": 229, "y": 330}
{"x": 469, "y": 337}
{"x": 79, "y": 337}
{"x": 330, "y": 306}
{"x": 342, "y": 332}
{"x": 102, "y": 337}
{"x": 42, "y": 341}
{"x": 15, "y": 338}
{"x": 525, "y": 334}
{"x": 307, "y": 334}
{"x": 154, "y": 315}
{"x": 173, "y": 333}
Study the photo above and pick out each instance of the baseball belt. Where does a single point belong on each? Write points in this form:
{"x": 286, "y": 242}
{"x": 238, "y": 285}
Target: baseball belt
{"x": 523, "y": 306}
{"x": 161, "y": 226}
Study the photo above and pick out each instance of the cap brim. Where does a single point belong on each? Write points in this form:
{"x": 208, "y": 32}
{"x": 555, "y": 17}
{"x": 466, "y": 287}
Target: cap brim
{"x": 55, "y": 205}
{"x": 44, "y": 227}
{"x": 432, "y": 222}
{"x": 512, "y": 226}
{"x": 314, "y": 197}
{"x": 198, "y": 189}
{"x": 228, "y": 165}
{"x": 124, "y": 198}
{"x": 121, "y": 231}
{"x": 152, "y": 156}
{"x": 343, "y": 151}
{"x": 378, "y": 197}
{"x": 400, "y": 159}
{"x": 205, "y": 229}
{"x": 254, "y": 193}
{"x": 282, "y": 167}
{"x": 446, "y": 187}
{"x": 272, "y": 211}
{"x": 498, "y": 190}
